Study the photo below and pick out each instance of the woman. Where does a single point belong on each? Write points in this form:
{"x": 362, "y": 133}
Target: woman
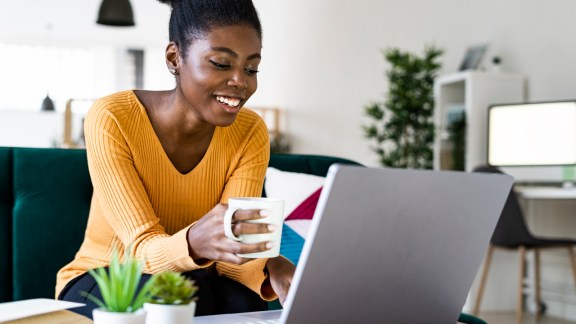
{"x": 164, "y": 163}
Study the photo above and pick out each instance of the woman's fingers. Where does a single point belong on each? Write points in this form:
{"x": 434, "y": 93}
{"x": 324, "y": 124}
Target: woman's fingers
{"x": 241, "y": 222}
{"x": 252, "y": 228}
{"x": 249, "y": 214}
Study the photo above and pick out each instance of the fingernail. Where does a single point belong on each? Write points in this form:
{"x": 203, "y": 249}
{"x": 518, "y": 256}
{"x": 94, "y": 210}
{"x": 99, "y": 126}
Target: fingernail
{"x": 271, "y": 227}
{"x": 264, "y": 212}
{"x": 269, "y": 245}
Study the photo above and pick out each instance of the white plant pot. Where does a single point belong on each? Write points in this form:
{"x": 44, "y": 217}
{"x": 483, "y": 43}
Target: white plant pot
{"x": 104, "y": 317}
{"x": 169, "y": 314}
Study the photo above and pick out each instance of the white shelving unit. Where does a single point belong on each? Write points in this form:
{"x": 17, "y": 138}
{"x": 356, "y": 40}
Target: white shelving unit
{"x": 473, "y": 92}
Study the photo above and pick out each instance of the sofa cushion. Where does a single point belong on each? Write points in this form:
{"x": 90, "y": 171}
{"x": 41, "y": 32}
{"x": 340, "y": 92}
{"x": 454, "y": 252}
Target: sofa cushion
{"x": 297, "y": 179}
{"x": 52, "y": 194}
{"x": 292, "y": 187}
{"x": 296, "y": 226}
{"x": 300, "y": 192}
{"x": 6, "y": 202}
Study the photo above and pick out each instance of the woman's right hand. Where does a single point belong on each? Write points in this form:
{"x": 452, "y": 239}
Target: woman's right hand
{"x": 206, "y": 239}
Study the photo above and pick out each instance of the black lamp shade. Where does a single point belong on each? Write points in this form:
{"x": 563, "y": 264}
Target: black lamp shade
{"x": 116, "y": 13}
{"x": 47, "y": 104}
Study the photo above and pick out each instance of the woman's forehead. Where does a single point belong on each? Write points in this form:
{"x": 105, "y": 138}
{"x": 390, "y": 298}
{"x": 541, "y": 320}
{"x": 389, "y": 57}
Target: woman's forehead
{"x": 232, "y": 36}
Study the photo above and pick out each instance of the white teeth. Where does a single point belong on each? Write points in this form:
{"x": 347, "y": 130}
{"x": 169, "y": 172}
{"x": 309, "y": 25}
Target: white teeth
{"x": 232, "y": 102}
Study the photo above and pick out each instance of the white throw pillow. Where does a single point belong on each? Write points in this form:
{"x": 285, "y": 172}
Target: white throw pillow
{"x": 293, "y": 187}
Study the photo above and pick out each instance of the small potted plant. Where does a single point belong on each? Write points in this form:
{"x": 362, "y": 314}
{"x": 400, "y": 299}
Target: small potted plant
{"x": 172, "y": 301}
{"x": 121, "y": 301}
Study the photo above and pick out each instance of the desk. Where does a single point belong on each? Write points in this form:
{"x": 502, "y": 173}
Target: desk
{"x": 532, "y": 192}
{"x": 549, "y": 211}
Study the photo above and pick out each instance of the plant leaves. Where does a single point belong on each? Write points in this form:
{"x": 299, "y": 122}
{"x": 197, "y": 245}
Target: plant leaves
{"x": 403, "y": 127}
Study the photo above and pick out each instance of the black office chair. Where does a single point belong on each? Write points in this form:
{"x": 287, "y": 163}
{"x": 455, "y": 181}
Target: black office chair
{"x": 511, "y": 232}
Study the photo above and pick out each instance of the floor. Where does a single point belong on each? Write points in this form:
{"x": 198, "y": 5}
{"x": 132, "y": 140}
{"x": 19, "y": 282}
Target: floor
{"x": 510, "y": 318}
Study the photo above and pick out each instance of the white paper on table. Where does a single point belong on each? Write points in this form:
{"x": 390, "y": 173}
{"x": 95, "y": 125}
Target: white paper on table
{"x": 10, "y": 311}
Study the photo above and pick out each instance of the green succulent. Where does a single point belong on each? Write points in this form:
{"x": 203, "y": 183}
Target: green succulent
{"x": 173, "y": 288}
{"x": 119, "y": 285}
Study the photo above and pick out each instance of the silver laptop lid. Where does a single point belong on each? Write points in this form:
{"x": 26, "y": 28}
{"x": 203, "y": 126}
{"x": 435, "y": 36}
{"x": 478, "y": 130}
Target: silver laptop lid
{"x": 394, "y": 245}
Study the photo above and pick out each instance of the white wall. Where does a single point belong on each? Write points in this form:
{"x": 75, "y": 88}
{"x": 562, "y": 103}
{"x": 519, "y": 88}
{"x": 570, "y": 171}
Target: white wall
{"x": 31, "y": 128}
{"x": 70, "y": 21}
{"x": 322, "y": 60}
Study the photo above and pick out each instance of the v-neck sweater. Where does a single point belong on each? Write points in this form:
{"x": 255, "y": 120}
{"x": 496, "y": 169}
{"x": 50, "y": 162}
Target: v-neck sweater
{"x": 142, "y": 202}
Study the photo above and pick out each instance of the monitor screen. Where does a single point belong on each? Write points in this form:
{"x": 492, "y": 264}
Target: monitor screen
{"x": 532, "y": 134}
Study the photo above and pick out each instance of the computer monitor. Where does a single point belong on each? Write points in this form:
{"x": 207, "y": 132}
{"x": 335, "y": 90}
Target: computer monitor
{"x": 537, "y": 134}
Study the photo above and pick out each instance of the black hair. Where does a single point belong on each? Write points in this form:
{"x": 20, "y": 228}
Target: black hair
{"x": 191, "y": 19}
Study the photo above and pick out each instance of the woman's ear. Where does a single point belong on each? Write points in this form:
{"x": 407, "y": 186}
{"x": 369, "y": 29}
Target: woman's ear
{"x": 172, "y": 58}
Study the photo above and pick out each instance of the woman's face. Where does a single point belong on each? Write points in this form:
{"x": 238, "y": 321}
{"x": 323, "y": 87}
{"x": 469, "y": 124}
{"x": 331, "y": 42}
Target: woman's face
{"x": 218, "y": 73}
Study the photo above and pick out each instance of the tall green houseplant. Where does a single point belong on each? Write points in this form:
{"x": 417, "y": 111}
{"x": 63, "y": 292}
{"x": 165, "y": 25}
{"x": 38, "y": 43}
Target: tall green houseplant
{"x": 402, "y": 127}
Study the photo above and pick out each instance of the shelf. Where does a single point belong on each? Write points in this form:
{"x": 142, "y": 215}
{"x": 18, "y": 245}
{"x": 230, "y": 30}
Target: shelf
{"x": 472, "y": 92}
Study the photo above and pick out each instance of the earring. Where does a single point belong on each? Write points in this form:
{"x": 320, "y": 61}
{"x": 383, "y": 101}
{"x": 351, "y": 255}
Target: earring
{"x": 172, "y": 70}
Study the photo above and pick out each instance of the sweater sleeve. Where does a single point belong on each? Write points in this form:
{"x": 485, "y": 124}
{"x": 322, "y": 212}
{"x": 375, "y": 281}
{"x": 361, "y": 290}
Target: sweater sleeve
{"x": 123, "y": 198}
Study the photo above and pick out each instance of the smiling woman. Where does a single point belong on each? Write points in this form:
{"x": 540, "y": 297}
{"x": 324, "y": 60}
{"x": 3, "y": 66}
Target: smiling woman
{"x": 164, "y": 164}
{"x": 218, "y": 72}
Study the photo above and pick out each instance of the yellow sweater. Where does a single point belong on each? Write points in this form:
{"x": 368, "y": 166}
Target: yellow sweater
{"x": 141, "y": 201}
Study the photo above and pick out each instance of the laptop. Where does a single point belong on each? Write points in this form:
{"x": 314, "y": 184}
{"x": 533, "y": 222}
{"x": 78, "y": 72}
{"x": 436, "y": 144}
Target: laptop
{"x": 390, "y": 246}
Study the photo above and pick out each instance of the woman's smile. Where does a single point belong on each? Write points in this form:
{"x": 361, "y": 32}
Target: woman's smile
{"x": 230, "y": 102}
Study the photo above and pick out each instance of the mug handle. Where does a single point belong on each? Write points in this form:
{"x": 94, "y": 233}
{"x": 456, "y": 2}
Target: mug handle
{"x": 228, "y": 225}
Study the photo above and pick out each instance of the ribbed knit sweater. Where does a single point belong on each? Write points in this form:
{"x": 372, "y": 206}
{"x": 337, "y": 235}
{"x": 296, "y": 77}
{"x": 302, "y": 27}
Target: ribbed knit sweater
{"x": 143, "y": 202}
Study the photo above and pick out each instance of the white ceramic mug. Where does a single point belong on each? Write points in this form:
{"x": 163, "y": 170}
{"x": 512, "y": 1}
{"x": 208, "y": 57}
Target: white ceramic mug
{"x": 275, "y": 207}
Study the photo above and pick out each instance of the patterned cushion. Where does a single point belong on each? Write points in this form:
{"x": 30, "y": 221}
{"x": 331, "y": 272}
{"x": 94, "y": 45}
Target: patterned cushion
{"x": 300, "y": 192}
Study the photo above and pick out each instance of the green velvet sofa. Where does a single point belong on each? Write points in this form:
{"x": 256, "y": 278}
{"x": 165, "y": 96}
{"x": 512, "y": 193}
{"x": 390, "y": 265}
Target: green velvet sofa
{"x": 44, "y": 202}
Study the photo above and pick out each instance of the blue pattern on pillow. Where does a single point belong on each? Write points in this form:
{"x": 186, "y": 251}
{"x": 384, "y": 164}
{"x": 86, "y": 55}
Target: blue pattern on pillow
{"x": 291, "y": 245}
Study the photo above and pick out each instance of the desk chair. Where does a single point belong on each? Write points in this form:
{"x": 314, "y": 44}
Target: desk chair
{"x": 511, "y": 232}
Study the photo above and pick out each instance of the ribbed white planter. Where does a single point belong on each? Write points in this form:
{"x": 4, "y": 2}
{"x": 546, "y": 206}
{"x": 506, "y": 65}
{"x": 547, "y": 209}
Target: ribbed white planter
{"x": 169, "y": 314}
{"x": 104, "y": 317}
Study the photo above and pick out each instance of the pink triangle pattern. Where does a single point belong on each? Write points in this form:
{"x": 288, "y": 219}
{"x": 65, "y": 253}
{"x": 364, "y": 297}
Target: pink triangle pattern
{"x": 306, "y": 209}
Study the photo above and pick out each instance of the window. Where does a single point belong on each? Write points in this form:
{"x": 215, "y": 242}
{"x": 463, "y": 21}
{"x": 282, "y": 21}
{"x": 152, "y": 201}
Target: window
{"x": 29, "y": 72}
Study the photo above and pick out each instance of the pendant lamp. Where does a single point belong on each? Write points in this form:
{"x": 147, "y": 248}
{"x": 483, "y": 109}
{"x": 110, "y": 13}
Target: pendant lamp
{"x": 116, "y": 13}
{"x": 47, "y": 104}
